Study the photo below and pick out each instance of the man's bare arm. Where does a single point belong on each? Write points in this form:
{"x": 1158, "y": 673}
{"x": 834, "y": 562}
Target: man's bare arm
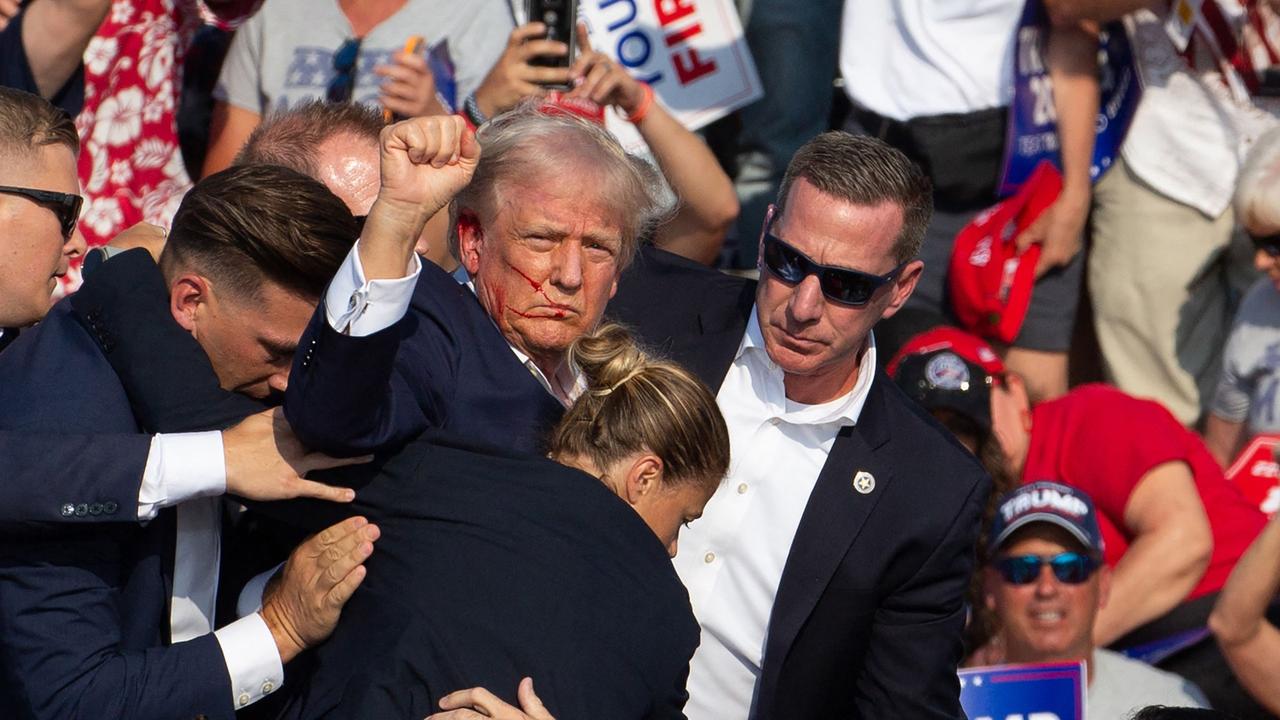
{"x": 55, "y": 34}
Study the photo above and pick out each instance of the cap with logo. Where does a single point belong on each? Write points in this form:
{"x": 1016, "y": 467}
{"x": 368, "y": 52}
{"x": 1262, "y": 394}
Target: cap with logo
{"x": 947, "y": 368}
{"x": 990, "y": 280}
{"x": 1048, "y": 502}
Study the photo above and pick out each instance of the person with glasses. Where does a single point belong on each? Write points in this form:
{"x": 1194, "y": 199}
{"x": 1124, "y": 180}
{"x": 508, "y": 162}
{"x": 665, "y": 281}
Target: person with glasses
{"x": 1174, "y": 525}
{"x": 828, "y": 572}
{"x": 1246, "y": 401}
{"x": 1046, "y": 582}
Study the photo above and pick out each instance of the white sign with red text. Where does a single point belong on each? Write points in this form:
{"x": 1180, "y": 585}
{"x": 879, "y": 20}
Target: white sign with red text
{"x": 691, "y": 51}
{"x": 1256, "y": 472}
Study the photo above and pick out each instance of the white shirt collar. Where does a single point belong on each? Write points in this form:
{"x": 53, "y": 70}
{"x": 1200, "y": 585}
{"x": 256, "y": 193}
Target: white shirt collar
{"x": 845, "y": 409}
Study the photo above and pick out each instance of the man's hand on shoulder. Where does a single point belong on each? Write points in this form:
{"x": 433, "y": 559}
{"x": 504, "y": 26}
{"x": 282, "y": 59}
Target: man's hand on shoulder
{"x": 302, "y": 603}
{"x": 265, "y": 461}
{"x": 478, "y": 703}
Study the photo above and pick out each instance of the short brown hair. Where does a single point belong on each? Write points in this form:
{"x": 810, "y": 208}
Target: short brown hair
{"x": 255, "y": 223}
{"x": 865, "y": 171}
{"x": 28, "y": 121}
{"x": 635, "y": 402}
{"x": 292, "y": 138}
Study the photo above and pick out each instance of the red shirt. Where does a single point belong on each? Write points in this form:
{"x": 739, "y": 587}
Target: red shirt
{"x": 1103, "y": 441}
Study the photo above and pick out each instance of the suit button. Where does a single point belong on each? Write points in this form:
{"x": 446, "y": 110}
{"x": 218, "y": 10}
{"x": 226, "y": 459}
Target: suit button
{"x": 68, "y": 510}
{"x": 110, "y": 507}
{"x": 82, "y": 509}
{"x": 95, "y": 509}
{"x": 243, "y": 699}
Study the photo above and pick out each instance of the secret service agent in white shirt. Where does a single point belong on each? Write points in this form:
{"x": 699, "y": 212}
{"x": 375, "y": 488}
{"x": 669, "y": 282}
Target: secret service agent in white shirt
{"x": 731, "y": 560}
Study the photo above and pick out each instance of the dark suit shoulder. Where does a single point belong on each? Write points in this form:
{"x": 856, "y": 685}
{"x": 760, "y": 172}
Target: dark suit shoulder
{"x": 665, "y": 295}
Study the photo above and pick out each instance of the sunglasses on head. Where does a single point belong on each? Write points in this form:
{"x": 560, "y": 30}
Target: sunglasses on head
{"x": 1269, "y": 244}
{"x": 1071, "y": 568}
{"x": 65, "y": 205}
{"x": 343, "y": 83}
{"x": 840, "y": 285}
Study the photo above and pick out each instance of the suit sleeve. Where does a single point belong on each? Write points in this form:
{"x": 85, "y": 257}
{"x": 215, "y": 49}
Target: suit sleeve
{"x": 915, "y": 647}
{"x": 43, "y": 482}
{"x": 62, "y": 640}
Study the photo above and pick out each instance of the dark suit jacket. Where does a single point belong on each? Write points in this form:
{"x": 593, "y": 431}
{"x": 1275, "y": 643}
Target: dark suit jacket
{"x": 445, "y": 366}
{"x": 869, "y": 611}
{"x": 493, "y": 566}
{"x": 84, "y": 611}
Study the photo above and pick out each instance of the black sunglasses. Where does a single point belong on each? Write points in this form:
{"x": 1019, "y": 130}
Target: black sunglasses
{"x": 65, "y": 205}
{"x": 841, "y": 285}
{"x": 1269, "y": 244}
{"x": 1072, "y": 568}
{"x": 343, "y": 83}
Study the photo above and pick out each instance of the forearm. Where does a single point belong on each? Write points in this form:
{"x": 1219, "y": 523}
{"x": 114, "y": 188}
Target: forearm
{"x": 1222, "y": 437}
{"x": 1238, "y": 616}
{"x": 1070, "y": 12}
{"x": 55, "y": 34}
{"x": 1073, "y": 68}
{"x": 390, "y": 234}
{"x": 1157, "y": 572}
{"x": 708, "y": 203}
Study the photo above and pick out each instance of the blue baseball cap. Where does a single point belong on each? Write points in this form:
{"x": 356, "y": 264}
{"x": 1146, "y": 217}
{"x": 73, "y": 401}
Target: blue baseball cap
{"x": 1049, "y": 502}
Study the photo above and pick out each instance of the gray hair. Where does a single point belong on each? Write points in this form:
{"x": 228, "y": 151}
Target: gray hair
{"x": 1257, "y": 198}
{"x": 527, "y": 142}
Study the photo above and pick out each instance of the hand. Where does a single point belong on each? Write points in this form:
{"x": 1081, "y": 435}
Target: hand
{"x": 143, "y": 235}
{"x": 479, "y": 703}
{"x": 266, "y": 462}
{"x": 513, "y": 79}
{"x": 301, "y": 605}
{"x": 599, "y": 79}
{"x": 408, "y": 87}
{"x": 8, "y": 9}
{"x": 1059, "y": 230}
{"x": 425, "y": 162}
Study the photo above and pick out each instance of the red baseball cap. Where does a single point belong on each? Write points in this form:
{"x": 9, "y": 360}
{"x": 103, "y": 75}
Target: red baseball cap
{"x": 990, "y": 282}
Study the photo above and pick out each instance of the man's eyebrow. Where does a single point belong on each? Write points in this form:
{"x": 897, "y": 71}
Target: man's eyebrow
{"x": 276, "y": 347}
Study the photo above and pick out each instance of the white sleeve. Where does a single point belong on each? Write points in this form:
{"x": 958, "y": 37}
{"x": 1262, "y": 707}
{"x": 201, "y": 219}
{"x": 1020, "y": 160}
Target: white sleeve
{"x": 181, "y": 467}
{"x": 359, "y": 307}
{"x": 253, "y": 662}
{"x": 250, "y": 600}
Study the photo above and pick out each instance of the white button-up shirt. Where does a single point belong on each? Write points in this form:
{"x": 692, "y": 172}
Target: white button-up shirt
{"x": 731, "y": 560}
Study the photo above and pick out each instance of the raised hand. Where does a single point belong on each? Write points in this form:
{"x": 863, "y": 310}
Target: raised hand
{"x": 408, "y": 88}
{"x": 265, "y": 461}
{"x": 599, "y": 79}
{"x": 513, "y": 78}
{"x": 301, "y": 605}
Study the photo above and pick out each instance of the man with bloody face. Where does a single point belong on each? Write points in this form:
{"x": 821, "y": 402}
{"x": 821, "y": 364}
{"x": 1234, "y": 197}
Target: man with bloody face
{"x": 544, "y": 222}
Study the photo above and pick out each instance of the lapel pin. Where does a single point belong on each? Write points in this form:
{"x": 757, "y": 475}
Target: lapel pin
{"x": 864, "y": 482}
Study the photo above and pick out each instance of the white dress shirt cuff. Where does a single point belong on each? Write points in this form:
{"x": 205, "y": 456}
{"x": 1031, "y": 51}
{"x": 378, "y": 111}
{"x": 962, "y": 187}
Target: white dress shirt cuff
{"x": 359, "y": 307}
{"x": 181, "y": 467}
{"x": 250, "y": 600}
{"x": 253, "y": 662}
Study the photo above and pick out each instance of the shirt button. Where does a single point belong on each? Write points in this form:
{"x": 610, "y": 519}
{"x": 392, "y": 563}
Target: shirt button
{"x": 742, "y": 488}
{"x": 709, "y": 558}
{"x": 267, "y": 687}
{"x": 243, "y": 699}
{"x": 775, "y": 421}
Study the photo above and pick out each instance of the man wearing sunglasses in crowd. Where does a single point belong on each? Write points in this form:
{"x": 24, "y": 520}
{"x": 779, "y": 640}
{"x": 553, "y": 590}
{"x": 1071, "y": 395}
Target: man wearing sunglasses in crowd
{"x": 1046, "y": 583}
{"x": 828, "y": 571}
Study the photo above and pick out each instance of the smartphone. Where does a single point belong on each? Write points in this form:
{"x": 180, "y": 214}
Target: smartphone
{"x": 561, "y": 19}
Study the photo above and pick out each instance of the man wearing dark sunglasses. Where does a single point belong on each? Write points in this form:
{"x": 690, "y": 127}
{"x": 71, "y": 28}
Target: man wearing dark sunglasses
{"x": 1046, "y": 583}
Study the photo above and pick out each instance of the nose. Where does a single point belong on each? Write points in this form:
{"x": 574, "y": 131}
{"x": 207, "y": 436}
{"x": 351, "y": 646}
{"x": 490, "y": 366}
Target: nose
{"x": 1046, "y": 582}
{"x": 75, "y": 246}
{"x": 671, "y": 546}
{"x": 806, "y": 301}
{"x": 566, "y": 266}
{"x": 279, "y": 381}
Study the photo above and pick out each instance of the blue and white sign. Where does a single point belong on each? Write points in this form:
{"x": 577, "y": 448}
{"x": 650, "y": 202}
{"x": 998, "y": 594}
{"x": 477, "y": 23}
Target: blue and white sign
{"x": 1024, "y": 692}
{"x": 1033, "y": 120}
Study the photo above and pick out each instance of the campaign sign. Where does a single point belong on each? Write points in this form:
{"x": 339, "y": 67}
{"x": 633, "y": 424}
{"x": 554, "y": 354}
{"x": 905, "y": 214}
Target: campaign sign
{"x": 1032, "y": 133}
{"x": 691, "y": 51}
{"x": 1024, "y": 692}
{"x": 1256, "y": 472}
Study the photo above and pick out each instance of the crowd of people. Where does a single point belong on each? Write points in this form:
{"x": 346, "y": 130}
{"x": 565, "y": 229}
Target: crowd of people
{"x": 351, "y": 367}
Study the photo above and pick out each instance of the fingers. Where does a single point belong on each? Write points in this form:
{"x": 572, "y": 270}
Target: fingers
{"x": 428, "y": 140}
{"x": 584, "y": 42}
{"x": 320, "y": 491}
{"x": 477, "y": 698}
{"x": 342, "y": 592}
{"x": 344, "y": 556}
{"x": 526, "y": 32}
{"x": 530, "y": 702}
{"x": 534, "y": 75}
{"x": 463, "y": 714}
{"x": 334, "y": 533}
{"x": 540, "y": 48}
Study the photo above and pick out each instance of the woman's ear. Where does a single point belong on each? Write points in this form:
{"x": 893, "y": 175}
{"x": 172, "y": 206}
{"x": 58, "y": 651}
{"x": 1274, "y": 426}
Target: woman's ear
{"x": 643, "y": 478}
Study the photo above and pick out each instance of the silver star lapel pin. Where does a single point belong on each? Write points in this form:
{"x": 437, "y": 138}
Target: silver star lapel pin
{"x": 864, "y": 482}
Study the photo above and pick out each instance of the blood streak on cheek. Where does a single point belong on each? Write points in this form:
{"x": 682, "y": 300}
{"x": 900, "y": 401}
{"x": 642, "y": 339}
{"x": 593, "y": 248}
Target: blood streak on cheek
{"x": 537, "y": 287}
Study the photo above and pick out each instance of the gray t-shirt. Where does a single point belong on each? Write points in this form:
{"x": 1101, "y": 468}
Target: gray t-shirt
{"x": 1122, "y": 686}
{"x": 283, "y": 55}
{"x": 1247, "y": 390}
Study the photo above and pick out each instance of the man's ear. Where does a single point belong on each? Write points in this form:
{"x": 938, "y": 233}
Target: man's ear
{"x": 643, "y": 478}
{"x": 189, "y": 295}
{"x": 1104, "y": 586}
{"x": 903, "y": 286}
{"x": 470, "y": 240}
{"x": 989, "y": 579}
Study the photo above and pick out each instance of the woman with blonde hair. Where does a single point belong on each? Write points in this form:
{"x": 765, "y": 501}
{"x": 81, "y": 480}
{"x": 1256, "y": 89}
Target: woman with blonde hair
{"x": 494, "y": 566}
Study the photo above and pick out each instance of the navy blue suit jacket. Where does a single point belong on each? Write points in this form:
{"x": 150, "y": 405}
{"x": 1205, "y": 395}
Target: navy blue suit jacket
{"x": 495, "y": 565}
{"x": 84, "y": 610}
{"x": 869, "y": 611}
{"x": 443, "y": 366}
